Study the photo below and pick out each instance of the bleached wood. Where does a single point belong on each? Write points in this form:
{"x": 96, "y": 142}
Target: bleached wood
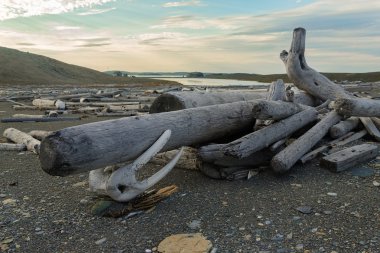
{"x": 27, "y": 116}
{"x": 45, "y": 119}
{"x": 43, "y": 103}
{"x": 360, "y": 107}
{"x": 275, "y": 110}
{"x": 376, "y": 121}
{"x": 371, "y": 128}
{"x": 284, "y": 160}
{"x": 304, "y": 77}
{"x": 22, "y": 138}
{"x": 300, "y": 97}
{"x": 95, "y": 145}
{"x": 264, "y": 137}
{"x": 172, "y": 101}
{"x": 350, "y": 139}
{"x": 276, "y": 92}
{"x": 39, "y": 134}
{"x": 316, "y": 152}
{"x": 343, "y": 127}
{"x": 349, "y": 157}
{"x": 12, "y": 147}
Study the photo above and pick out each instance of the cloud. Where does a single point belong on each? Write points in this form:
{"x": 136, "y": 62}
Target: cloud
{"x": 94, "y": 45}
{"x": 182, "y": 3}
{"x": 25, "y": 8}
{"x": 95, "y": 11}
{"x": 26, "y": 44}
{"x": 65, "y": 28}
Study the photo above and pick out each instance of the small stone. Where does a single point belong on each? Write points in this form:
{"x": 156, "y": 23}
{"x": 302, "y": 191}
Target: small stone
{"x": 154, "y": 249}
{"x": 332, "y": 194}
{"x": 84, "y": 201}
{"x": 195, "y": 224}
{"x": 148, "y": 251}
{"x": 241, "y": 228}
{"x": 182, "y": 243}
{"x": 305, "y": 209}
{"x": 247, "y": 237}
{"x": 268, "y": 222}
{"x": 289, "y": 236}
{"x": 101, "y": 241}
{"x": 3, "y": 195}
{"x": 296, "y": 218}
{"x": 9, "y": 202}
{"x": 37, "y": 229}
{"x": 327, "y": 212}
{"x": 375, "y": 183}
{"x": 80, "y": 184}
{"x": 278, "y": 237}
{"x": 314, "y": 230}
{"x": 299, "y": 247}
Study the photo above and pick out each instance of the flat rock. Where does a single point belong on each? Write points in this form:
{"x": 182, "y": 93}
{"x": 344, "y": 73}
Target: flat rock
{"x": 185, "y": 243}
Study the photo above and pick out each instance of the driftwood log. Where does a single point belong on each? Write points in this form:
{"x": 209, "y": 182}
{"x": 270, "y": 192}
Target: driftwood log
{"x": 349, "y": 157}
{"x": 264, "y": 137}
{"x": 362, "y": 107}
{"x": 173, "y": 101}
{"x": 44, "y": 119}
{"x": 284, "y": 160}
{"x": 275, "y": 110}
{"x": 344, "y": 127}
{"x": 95, "y": 145}
{"x": 276, "y": 92}
{"x": 12, "y": 147}
{"x": 304, "y": 77}
{"x": 22, "y": 138}
{"x": 370, "y": 127}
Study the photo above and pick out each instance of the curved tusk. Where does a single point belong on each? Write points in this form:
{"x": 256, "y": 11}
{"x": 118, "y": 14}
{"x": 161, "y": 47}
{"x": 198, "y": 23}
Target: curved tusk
{"x": 149, "y": 182}
{"x": 152, "y": 151}
{"x": 122, "y": 184}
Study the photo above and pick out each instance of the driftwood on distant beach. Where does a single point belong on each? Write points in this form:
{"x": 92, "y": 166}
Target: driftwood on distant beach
{"x": 22, "y": 138}
{"x": 12, "y": 147}
{"x": 173, "y": 101}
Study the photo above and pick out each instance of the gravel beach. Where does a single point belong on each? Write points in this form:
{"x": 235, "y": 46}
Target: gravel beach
{"x": 309, "y": 209}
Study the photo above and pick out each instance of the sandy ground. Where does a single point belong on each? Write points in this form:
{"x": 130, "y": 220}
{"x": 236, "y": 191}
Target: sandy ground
{"x": 42, "y": 213}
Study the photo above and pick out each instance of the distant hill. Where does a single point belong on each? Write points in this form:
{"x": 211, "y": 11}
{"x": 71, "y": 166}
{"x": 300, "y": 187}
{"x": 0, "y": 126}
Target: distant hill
{"x": 340, "y": 77}
{"x": 17, "y": 67}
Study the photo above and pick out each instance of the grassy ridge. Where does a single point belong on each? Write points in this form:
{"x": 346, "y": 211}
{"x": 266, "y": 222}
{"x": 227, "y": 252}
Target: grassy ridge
{"x": 17, "y": 67}
{"x": 365, "y": 77}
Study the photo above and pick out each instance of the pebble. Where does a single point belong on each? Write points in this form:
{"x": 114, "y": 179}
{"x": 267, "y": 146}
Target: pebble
{"x": 278, "y": 237}
{"x": 3, "y": 195}
{"x": 305, "y": 209}
{"x": 299, "y": 247}
{"x": 289, "y": 236}
{"x": 84, "y": 201}
{"x": 327, "y": 212}
{"x": 101, "y": 241}
{"x": 195, "y": 224}
{"x": 148, "y": 251}
{"x": 375, "y": 183}
{"x": 332, "y": 194}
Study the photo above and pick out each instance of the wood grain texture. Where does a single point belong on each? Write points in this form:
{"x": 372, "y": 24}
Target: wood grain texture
{"x": 349, "y": 157}
{"x": 284, "y": 160}
{"x": 344, "y": 127}
{"x": 304, "y": 77}
{"x": 361, "y": 107}
{"x": 95, "y": 145}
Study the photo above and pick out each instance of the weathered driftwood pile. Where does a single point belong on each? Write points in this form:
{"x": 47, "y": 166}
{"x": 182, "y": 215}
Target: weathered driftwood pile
{"x": 231, "y": 137}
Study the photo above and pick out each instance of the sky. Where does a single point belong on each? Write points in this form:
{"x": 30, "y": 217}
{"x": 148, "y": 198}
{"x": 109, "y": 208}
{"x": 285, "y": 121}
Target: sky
{"x": 195, "y": 35}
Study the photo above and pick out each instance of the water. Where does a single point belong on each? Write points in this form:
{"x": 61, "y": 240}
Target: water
{"x": 213, "y": 82}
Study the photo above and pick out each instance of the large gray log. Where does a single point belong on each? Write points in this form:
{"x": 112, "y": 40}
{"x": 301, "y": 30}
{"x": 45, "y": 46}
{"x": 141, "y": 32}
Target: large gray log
{"x": 173, "y": 101}
{"x": 304, "y": 77}
{"x": 301, "y": 97}
{"x": 284, "y": 160}
{"x": 264, "y": 137}
{"x": 344, "y": 127}
{"x": 362, "y": 107}
{"x": 22, "y": 138}
{"x": 276, "y": 110}
{"x": 95, "y": 145}
{"x": 276, "y": 92}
